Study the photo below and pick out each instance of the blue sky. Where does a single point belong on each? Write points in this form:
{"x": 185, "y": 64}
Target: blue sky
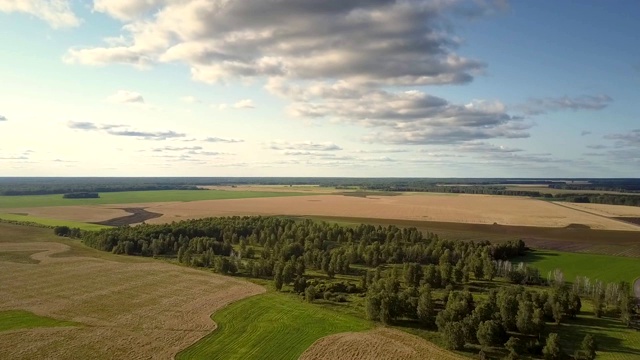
{"x": 401, "y": 88}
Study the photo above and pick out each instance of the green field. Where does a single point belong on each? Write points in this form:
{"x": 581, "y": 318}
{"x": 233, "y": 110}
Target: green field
{"x": 602, "y": 267}
{"x": 270, "y": 326}
{"x": 130, "y": 197}
{"x": 51, "y": 222}
{"x": 19, "y": 319}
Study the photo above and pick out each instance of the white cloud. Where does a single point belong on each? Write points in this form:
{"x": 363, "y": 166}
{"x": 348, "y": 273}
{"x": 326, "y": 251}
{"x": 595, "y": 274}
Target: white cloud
{"x": 304, "y": 146}
{"x": 221, "y": 140}
{"x": 3, "y": 118}
{"x": 374, "y": 42}
{"x": 57, "y": 13}
{"x": 242, "y": 104}
{"x": 190, "y": 100}
{"x": 126, "y": 97}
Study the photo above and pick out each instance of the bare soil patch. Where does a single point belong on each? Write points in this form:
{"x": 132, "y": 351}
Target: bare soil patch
{"x": 473, "y": 209}
{"x": 138, "y": 215}
{"x": 379, "y": 344}
{"x": 137, "y": 310}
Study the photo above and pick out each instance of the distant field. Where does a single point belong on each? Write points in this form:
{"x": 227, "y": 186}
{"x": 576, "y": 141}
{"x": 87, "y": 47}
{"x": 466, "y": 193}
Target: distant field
{"x": 469, "y": 209}
{"x": 545, "y": 189}
{"x": 51, "y": 222}
{"x": 18, "y": 319}
{"x": 270, "y": 326}
{"x": 131, "y": 197}
{"x": 601, "y": 267}
{"x": 126, "y": 307}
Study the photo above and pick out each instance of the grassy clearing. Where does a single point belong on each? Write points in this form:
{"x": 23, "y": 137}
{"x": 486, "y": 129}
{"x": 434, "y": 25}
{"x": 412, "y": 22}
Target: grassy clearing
{"x": 270, "y": 326}
{"x": 52, "y": 222}
{"x": 19, "y": 319}
{"x": 603, "y": 267}
{"x": 131, "y": 197}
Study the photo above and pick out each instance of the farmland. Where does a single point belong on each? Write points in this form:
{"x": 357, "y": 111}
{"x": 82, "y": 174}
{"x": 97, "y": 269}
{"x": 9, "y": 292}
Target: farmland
{"x": 270, "y": 326}
{"x": 122, "y": 309}
{"x": 18, "y": 319}
{"x": 132, "y": 197}
{"x": 381, "y": 343}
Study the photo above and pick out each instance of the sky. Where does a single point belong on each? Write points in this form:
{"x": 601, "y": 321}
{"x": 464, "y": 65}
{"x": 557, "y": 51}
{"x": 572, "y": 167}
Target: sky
{"x": 353, "y": 88}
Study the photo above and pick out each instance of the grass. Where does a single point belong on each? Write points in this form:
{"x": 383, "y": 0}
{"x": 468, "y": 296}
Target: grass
{"x": 615, "y": 341}
{"x": 20, "y": 257}
{"x": 19, "y": 319}
{"x": 52, "y": 222}
{"x": 270, "y": 326}
{"x": 602, "y": 267}
{"x": 130, "y": 197}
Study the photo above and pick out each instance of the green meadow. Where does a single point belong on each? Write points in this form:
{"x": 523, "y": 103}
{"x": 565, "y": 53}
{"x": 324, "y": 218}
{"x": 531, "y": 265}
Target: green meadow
{"x": 270, "y": 326}
{"x": 602, "y": 267}
{"x": 19, "y": 319}
{"x": 130, "y": 197}
{"x": 50, "y": 222}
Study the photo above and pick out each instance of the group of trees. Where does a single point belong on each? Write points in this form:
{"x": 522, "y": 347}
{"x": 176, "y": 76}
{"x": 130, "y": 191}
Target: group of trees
{"x": 405, "y": 275}
{"x": 81, "y": 195}
{"x": 460, "y": 318}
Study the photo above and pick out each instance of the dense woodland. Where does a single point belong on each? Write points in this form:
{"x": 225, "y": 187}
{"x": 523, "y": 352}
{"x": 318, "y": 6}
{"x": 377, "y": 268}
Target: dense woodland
{"x": 405, "y": 277}
{"x": 81, "y": 195}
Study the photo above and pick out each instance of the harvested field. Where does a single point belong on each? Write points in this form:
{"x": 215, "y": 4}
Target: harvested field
{"x": 605, "y": 210}
{"x": 125, "y": 310}
{"x": 479, "y": 209}
{"x": 380, "y": 343}
{"x": 86, "y": 213}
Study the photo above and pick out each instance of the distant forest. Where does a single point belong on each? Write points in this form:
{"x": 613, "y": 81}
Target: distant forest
{"x": 495, "y": 186}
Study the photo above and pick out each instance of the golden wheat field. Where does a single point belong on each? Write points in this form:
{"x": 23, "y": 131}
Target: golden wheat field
{"x": 475, "y": 209}
{"x": 124, "y": 310}
{"x": 479, "y": 209}
{"x": 380, "y": 344}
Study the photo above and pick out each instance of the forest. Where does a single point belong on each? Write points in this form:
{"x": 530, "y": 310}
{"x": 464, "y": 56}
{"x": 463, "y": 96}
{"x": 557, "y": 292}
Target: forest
{"x": 401, "y": 276}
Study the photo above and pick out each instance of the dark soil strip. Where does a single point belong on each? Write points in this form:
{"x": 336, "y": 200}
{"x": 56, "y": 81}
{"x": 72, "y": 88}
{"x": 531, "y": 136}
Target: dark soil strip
{"x": 630, "y": 220}
{"x": 138, "y": 215}
{"x": 573, "y": 238}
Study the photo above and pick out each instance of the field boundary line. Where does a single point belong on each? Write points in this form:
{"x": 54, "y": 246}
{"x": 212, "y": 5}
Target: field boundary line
{"x": 594, "y": 214}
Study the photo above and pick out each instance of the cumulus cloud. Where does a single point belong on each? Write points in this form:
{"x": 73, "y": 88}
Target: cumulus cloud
{"x": 550, "y": 104}
{"x": 3, "y": 118}
{"x": 242, "y": 104}
{"x": 122, "y": 130}
{"x": 408, "y": 117}
{"x": 375, "y": 42}
{"x": 126, "y": 97}
{"x": 57, "y": 13}
{"x": 585, "y": 133}
{"x": 221, "y": 140}
{"x": 484, "y": 148}
{"x": 304, "y": 146}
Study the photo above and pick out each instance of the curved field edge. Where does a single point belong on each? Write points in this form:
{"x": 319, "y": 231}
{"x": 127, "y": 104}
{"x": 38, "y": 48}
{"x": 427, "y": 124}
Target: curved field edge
{"x": 20, "y": 319}
{"x": 380, "y": 343}
{"x": 270, "y": 326}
